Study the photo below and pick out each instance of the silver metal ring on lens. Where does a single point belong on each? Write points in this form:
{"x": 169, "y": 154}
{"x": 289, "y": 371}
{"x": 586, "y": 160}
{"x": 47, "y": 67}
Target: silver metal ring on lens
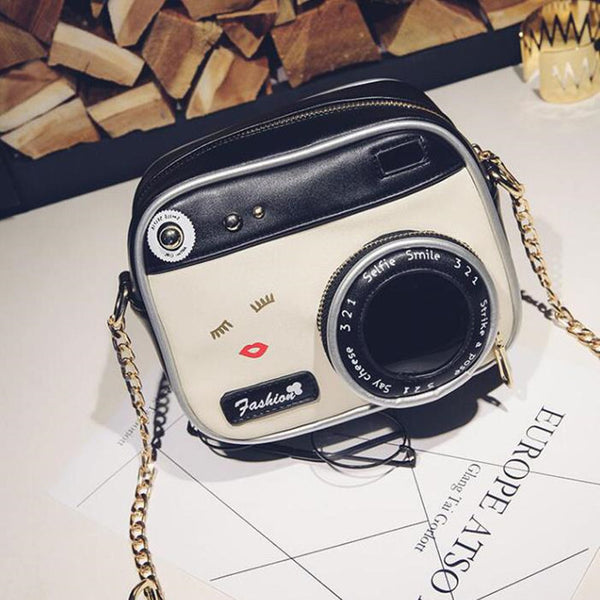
{"x": 377, "y": 253}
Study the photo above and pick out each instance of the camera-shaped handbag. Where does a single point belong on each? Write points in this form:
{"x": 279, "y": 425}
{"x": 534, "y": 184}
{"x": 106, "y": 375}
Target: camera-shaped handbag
{"x": 343, "y": 256}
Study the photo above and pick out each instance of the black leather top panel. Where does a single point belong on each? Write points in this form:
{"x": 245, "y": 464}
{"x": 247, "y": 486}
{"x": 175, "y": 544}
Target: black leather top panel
{"x": 307, "y": 193}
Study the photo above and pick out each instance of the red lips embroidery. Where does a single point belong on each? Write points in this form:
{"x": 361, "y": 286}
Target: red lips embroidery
{"x": 255, "y": 350}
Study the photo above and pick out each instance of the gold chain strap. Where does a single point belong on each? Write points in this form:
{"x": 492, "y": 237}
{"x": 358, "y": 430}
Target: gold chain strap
{"x": 149, "y": 587}
{"x": 560, "y": 314}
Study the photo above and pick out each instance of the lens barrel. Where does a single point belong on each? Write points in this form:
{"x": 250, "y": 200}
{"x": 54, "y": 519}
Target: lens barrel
{"x": 408, "y": 318}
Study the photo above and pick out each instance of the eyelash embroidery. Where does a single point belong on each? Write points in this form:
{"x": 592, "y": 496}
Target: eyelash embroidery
{"x": 222, "y": 329}
{"x": 259, "y": 304}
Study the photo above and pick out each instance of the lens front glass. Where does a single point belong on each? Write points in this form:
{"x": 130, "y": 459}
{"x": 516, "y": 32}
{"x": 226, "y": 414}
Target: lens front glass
{"x": 416, "y": 323}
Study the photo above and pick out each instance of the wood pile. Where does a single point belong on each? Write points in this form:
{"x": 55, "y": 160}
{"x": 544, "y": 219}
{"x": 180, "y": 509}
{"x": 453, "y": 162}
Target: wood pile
{"x": 72, "y": 71}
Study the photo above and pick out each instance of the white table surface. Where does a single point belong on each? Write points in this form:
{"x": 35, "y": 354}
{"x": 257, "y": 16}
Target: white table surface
{"x": 58, "y": 269}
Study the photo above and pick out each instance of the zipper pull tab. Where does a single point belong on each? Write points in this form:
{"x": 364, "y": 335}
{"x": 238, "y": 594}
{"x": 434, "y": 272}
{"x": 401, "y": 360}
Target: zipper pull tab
{"x": 502, "y": 362}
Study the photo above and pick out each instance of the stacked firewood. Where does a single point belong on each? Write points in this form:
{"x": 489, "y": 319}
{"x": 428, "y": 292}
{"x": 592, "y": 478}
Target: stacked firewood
{"x": 74, "y": 70}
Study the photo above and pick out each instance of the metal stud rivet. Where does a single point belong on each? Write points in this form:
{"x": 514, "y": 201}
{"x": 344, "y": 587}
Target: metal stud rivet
{"x": 233, "y": 222}
{"x": 170, "y": 236}
{"x": 258, "y": 212}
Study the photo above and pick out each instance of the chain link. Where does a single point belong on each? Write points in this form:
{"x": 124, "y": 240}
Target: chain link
{"x": 149, "y": 586}
{"x": 560, "y": 314}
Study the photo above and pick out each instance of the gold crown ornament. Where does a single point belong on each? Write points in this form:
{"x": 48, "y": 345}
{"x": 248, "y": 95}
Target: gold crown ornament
{"x": 560, "y": 41}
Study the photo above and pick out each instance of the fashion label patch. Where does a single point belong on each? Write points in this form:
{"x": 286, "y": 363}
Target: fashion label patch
{"x": 269, "y": 397}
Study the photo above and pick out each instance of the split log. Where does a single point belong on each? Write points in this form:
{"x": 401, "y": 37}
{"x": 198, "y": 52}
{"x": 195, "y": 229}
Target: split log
{"x": 30, "y": 91}
{"x": 142, "y": 107}
{"x": 504, "y": 13}
{"x": 175, "y": 48}
{"x": 39, "y": 17}
{"x": 91, "y": 54}
{"x": 245, "y": 40}
{"x": 129, "y": 18}
{"x": 62, "y": 127}
{"x": 286, "y": 12}
{"x": 323, "y": 39}
{"x": 17, "y": 46}
{"x": 248, "y": 28}
{"x": 213, "y": 75}
{"x": 242, "y": 84}
{"x": 262, "y": 7}
{"x": 426, "y": 23}
{"x": 199, "y": 9}
{"x": 96, "y": 7}
{"x": 227, "y": 80}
